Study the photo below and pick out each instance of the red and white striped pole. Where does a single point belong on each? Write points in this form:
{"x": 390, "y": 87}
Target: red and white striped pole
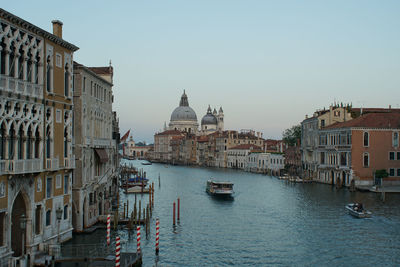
{"x": 117, "y": 251}
{"x": 138, "y": 238}
{"x": 157, "y": 235}
{"x": 108, "y": 229}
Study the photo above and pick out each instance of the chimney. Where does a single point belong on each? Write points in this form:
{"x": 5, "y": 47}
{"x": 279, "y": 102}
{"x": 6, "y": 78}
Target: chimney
{"x": 57, "y": 28}
{"x": 390, "y": 106}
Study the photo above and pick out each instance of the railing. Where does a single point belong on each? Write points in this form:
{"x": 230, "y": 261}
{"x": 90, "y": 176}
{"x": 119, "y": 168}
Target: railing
{"x": 69, "y": 163}
{"x": 21, "y": 87}
{"x": 20, "y": 166}
{"x": 103, "y": 142}
{"x": 52, "y": 164}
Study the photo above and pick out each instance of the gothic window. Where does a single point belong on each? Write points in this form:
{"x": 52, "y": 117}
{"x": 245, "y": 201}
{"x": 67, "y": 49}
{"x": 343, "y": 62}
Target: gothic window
{"x": 65, "y": 143}
{"x": 49, "y": 187}
{"x": 20, "y": 142}
{"x": 21, "y": 64}
{"x": 3, "y": 58}
{"x": 66, "y": 183}
{"x": 29, "y": 68}
{"x": 29, "y": 144}
{"x": 2, "y": 141}
{"x": 366, "y": 160}
{"x": 66, "y": 81}
{"x": 36, "y": 68}
{"x": 11, "y": 143}
{"x": 2, "y": 230}
{"x": 48, "y": 74}
{"x": 37, "y": 143}
{"x": 65, "y": 212}
{"x": 48, "y": 142}
{"x": 12, "y": 63}
{"x": 366, "y": 139}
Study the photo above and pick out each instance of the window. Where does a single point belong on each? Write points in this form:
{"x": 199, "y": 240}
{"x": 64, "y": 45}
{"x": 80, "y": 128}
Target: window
{"x": 391, "y": 155}
{"x": 395, "y": 139}
{"x": 391, "y": 172}
{"x": 366, "y": 160}
{"x": 65, "y": 212}
{"x": 66, "y": 184}
{"x": 58, "y": 181}
{"x": 38, "y": 219}
{"x": 398, "y": 172}
{"x": 58, "y": 115}
{"x": 343, "y": 161}
{"x": 66, "y": 81}
{"x": 322, "y": 123}
{"x": 48, "y": 74}
{"x": 58, "y": 60}
{"x": 366, "y": 139}
{"x": 39, "y": 184}
{"x": 49, "y": 187}
{"x": 398, "y": 155}
{"x": 48, "y": 217}
{"x": 84, "y": 85}
{"x": 322, "y": 158}
{"x": 2, "y": 218}
{"x": 2, "y": 189}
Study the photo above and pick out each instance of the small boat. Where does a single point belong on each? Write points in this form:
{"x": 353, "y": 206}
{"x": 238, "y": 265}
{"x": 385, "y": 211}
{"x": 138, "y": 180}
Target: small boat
{"x": 357, "y": 210}
{"x": 219, "y": 188}
{"x": 146, "y": 163}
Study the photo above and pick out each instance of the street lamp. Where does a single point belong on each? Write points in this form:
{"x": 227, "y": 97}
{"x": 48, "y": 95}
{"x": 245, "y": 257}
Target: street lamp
{"x": 22, "y": 225}
{"x": 58, "y": 216}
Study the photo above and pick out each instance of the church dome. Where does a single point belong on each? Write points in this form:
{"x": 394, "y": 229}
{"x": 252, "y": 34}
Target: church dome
{"x": 209, "y": 118}
{"x": 183, "y": 112}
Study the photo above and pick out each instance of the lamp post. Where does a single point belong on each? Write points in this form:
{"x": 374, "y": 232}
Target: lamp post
{"x": 22, "y": 225}
{"x": 58, "y": 216}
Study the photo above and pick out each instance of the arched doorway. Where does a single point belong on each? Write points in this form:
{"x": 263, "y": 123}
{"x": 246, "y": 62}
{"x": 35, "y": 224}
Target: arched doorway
{"x": 18, "y": 209}
{"x": 332, "y": 177}
{"x": 344, "y": 178}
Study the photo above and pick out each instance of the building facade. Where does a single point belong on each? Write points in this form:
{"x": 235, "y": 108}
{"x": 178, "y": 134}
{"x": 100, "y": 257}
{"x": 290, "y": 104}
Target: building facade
{"x": 95, "y": 148}
{"x": 36, "y": 157}
{"x": 351, "y": 152}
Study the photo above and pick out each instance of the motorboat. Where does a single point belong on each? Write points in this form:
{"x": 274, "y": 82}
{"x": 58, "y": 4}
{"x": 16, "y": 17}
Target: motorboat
{"x": 357, "y": 210}
{"x": 217, "y": 188}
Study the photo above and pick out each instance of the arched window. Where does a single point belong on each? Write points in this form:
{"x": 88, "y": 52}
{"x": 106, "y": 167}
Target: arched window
{"x": 65, "y": 143}
{"x": 48, "y": 74}
{"x": 36, "y": 68}
{"x": 3, "y": 58}
{"x": 20, "y": 142}
{"x": 366, "y": 160}
{"x": 366, "y": 139}
{"x": 11, "y": 143}
{"x": 29, "y": 144}
{"x": 11, "y": 63}
{"x": 2, "y": 141}
{"x": 48, "y": 142}
{"x": 21, "y": 64}
{"x": 37, "y": 144}
{"x": 66, "y": 81}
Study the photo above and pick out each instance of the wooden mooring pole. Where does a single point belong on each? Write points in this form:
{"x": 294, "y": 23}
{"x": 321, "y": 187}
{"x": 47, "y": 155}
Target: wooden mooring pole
{"x": 173, "y": 217}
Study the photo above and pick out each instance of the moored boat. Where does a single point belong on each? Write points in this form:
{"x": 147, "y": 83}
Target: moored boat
{"x": 357, "y": 210}
{"x": 217, "y": 188}
{"x": 136, "y": 181}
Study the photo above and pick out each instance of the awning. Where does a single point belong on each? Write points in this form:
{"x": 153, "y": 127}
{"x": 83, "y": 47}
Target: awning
{"x": 102, "y": 154}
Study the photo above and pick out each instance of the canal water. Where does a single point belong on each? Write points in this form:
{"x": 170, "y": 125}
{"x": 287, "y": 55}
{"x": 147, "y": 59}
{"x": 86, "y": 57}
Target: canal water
{"x": 269, "y": 222}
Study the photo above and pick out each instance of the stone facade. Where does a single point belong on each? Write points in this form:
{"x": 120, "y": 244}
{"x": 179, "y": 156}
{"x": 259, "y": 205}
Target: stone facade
{"x": 36, "y": 157}
{"x": 95, "y": 147}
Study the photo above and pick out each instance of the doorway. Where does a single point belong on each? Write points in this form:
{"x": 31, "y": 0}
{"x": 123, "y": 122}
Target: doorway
{"x": 18, "y": 209}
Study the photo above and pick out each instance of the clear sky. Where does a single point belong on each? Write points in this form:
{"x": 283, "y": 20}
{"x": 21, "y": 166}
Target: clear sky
{"x": 267, "y": 63}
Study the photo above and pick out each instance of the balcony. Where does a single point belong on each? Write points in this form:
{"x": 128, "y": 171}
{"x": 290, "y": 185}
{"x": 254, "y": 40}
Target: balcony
{"x": 20, "y": 166}
{"x": 101, "y": 142}
{"x": 52, "y": 164}
{"x": 69, "y": 163}
{"x": 17, "y": 86}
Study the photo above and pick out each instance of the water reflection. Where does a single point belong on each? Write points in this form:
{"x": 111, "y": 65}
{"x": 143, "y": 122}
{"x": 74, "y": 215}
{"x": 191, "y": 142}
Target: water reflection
{"x": 268, "y": 222}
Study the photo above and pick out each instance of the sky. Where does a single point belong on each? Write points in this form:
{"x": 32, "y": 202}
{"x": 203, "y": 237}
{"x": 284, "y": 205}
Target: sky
{"x": 267, "y": 63}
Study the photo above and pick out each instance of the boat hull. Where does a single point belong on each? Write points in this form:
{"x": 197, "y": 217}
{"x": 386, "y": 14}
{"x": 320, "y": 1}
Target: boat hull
{"x": 357, "y": 214}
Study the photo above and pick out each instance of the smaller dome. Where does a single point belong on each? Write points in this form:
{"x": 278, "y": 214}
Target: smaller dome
{"x": 209, "y": 118}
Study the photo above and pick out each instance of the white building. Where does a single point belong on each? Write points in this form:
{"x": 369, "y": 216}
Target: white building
{"x": 95, "y": 149}
{"x": 266, "y": 162}
{"x": 237, "y": 156}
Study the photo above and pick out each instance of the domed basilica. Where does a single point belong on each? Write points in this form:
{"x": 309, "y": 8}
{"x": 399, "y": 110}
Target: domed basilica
{"x": 184, "y": 119}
